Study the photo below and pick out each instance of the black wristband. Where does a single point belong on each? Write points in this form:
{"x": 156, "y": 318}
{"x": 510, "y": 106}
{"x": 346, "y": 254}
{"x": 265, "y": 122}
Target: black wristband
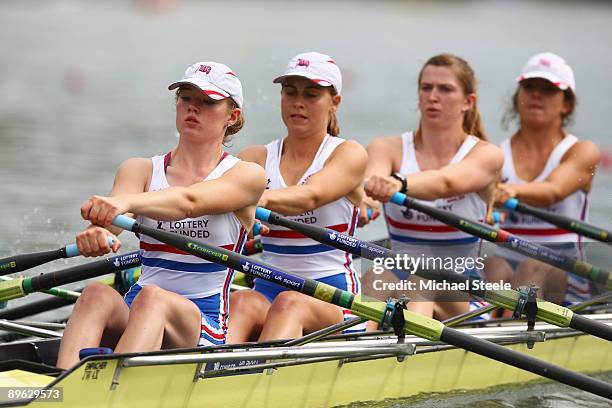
{"x": 402, "y": 179}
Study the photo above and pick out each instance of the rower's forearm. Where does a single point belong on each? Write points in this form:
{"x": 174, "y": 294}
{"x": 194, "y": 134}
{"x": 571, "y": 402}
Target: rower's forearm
{"x": 294, "y": 200}
{"x": 174, "y": 203}
{"x": 537, "y": 194}
{"x": 429, "y": 185}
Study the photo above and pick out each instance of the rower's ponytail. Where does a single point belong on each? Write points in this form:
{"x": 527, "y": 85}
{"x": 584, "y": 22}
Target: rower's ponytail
{"x": 333, "y": 128}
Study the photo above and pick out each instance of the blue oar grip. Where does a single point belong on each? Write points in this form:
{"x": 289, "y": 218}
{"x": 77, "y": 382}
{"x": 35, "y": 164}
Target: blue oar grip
{"x": 262, "y": 214}
{"x": 511, "y": 204}
{"x": 370, "y": 212}
{"x": 398, "y": 198}
{"x": 496, "y": 217}
{"x": 124, "y": 222}
{"x": 72, "y": 250}
{"x": 256, "y": 229}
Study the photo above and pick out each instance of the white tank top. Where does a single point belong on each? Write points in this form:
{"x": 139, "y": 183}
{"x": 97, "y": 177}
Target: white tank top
{"x": 180, "y": 272}
{"x": 418, "y": 234}
{"x": 293, "y": 251}
{"x": 532, "y": 228}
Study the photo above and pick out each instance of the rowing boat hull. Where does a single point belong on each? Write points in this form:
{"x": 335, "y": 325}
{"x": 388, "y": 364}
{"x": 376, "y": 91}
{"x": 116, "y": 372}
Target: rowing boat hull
{"x": 321, "y": 384}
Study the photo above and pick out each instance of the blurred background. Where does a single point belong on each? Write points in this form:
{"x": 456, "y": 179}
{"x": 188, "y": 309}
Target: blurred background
{"x": 83, "y": 82}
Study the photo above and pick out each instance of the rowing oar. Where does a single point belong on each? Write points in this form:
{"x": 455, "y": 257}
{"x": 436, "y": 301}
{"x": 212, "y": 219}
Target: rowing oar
{"x": 21, "y": 286}
{"x": 22, "y": 262}
{"x": 527, "y": 248}
{"x": 414, "y": 323}
{"x": 567, "y": 223}
{"x": 507, "y": 299}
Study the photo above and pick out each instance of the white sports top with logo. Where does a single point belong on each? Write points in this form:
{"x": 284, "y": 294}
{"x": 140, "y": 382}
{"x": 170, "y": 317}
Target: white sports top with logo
{"x": 293, "y": 251}
{"x": 180, "y": 272}
{"x": 574, "y": 206}
{"x": 418, "y": 234}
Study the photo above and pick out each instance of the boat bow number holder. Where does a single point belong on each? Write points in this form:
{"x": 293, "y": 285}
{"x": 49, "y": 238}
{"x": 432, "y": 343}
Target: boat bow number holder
{"x": 527, "y": 304}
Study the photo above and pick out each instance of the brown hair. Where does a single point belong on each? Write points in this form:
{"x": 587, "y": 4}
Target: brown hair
{"x": 511, "y": 114}
{"x": 235, "y": 128}
{"x": 231, "y": 105}
{"x": 333, "y": 128}
{"x": 472, "y": 122}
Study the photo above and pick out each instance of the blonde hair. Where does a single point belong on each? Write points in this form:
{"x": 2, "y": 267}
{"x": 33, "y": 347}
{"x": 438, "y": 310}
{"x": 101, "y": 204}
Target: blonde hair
{"x": 472, "y": 122}
{"x": 333, "y": 128}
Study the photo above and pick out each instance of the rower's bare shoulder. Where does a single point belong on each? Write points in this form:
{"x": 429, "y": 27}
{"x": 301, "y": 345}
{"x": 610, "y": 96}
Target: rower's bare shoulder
{"x": 136, "y": 164}
{"x": 249, "y": 173}
{"x": 489, "y": 152}
{"x": 385, "y": 144}
{"x": 255, "y": 154}
{"x": 135, "y": 168}
{"x": 353, "y": 148}
{"x": 584, "y": 150}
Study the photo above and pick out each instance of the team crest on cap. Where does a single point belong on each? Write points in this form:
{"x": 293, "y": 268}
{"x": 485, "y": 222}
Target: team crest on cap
{"x": 303, "y": 62}
{"x": 545, "y": 62}
{"x": 205, "y": 68}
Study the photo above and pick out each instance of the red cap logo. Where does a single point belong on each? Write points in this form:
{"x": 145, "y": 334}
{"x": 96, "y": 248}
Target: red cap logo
{"x": 303, "y": 62}
{"x": 204, "y": 68}
{"x": 545, "y": 62}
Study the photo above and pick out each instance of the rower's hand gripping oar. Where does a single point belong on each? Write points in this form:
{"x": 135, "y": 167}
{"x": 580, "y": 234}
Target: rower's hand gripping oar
{"x": 22, "y": 262}
{"x": 499, "y": 236}
{"x": 567, "y": 223}
{"x": 414, "y": 323}
{"x": 507, "y": 299}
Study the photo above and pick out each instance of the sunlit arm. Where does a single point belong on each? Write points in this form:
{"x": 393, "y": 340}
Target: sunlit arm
{"x": 478, "y": 170}
{"x": 239, "y": 187}
{"x": 384, "y": 156}
{"x": 575, "y": 172}
{"x": 342, "y": 174}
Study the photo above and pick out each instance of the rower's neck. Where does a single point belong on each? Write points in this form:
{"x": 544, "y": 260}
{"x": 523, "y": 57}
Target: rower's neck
{"x": 538, "y": 139}
{"x": 441, "y": 142}
{"x": 301, "y": 148}
{"x": 198, "y": 159}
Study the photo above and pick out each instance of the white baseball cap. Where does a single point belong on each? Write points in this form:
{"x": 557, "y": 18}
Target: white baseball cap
{"x": 214, "y": 79}
{"x": 551, "y": 67}
{"x": 319, "y": 68}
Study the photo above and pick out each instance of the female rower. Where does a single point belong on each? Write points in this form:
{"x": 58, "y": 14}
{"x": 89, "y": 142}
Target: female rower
{"x": 545, "y": 166}
{"x": 447, "y": 163}
{"x": 314, "y": 177}
{"x": 180, "y": 300}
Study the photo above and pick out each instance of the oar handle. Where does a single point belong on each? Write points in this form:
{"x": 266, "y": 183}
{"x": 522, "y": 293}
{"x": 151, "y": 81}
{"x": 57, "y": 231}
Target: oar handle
{"x": 496, "y": 215}
{"x": 511, "y": 204}
{"x": 262, "y": 214}
{"x": 398, "y": 198}
{"x": 72, "y": 250}
{"x": 567, "y": 223}
{"x": 256, "y": 229}
{"x": 124, "y": 222}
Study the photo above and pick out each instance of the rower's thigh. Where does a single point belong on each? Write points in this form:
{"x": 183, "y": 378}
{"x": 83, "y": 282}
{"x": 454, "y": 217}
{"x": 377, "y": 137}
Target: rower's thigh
{"x": 551, "y": 281}
{"x": 376, "y": 285}
{"x": 497, "y": 269}
{"x": 446, "y": 310}
{"x": 314, "y": 314}
{"x": 101, "y": 305}
{"x": 181, "y": 317}
{"x": 248, "y": 310}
